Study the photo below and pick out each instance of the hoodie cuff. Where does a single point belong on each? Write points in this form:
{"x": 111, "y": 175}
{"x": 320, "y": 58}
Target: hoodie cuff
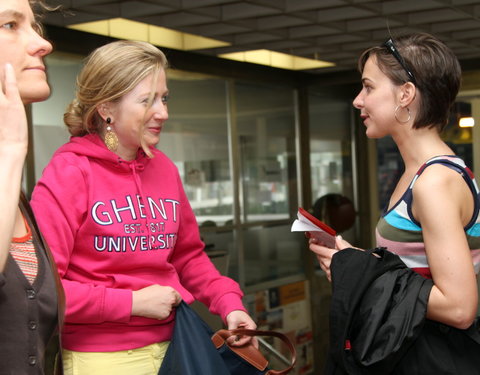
{"x": 118, "y": 305}
{"x": 227, "y": 303}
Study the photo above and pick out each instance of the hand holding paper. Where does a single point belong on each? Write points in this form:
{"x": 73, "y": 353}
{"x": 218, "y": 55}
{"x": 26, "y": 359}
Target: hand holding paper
{"x": 314, "y": 227}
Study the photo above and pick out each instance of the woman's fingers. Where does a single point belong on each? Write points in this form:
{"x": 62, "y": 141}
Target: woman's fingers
{"x": 14, "y": 129}
{"x": 9, "y": 84}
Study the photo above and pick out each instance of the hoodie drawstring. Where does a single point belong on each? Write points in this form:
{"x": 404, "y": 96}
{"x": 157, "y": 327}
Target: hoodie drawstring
{"x": 136, "y": 167}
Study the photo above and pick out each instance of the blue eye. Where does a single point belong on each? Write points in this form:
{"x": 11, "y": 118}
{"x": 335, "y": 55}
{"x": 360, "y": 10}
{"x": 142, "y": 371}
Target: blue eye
{"x": 165, "y": 99}
{"x": 9, "y": 25}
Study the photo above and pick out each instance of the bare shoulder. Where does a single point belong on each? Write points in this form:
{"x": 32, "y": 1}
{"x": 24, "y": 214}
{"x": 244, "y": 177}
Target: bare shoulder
{"x": 440, "y": 190}
{"x": 440, "y": 177}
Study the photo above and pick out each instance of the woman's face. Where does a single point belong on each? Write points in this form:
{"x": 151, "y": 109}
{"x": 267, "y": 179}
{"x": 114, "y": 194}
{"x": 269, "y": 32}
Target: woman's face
{"x": 376, "y": 101}
{"x": 24, "y": 48}
{"x": 132, "y": 117}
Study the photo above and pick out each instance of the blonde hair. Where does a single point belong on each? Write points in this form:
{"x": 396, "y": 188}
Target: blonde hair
{"x": 110, "y": 72}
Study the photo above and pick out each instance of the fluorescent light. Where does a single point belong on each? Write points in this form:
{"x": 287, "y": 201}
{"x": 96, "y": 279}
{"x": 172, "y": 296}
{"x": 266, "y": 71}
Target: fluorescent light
{"x": 122, "y": 28}
{"x": 276, "y": 59}
{"x": 466, "y": 122}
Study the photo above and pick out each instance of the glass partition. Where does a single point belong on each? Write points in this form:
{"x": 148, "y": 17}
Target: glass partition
{"x": 272, "y": 253}
{"x": 266, "y": 131}
{"x": 264, "y": 116}
{"x": 331, "y": 149}
{"x": 49, "y": 131}
{"x": 196, "y": 139}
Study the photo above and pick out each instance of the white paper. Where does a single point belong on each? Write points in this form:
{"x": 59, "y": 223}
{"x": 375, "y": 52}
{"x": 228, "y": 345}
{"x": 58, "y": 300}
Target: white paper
{"x": 302, "y": 224}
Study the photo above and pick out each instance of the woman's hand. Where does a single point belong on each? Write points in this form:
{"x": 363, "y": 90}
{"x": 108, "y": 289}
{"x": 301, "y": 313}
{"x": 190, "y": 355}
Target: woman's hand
{"x": 14, "y": 129}
{"x": 155, "y": 301}
{"x": 324, "y": 254}
{"x": 13, "y": 150}
{"x": 240, "y": 319}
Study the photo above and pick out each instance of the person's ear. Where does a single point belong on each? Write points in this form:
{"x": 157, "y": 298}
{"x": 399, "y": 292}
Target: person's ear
{"x": 407, "y": 94}
{"x": 104, "y": 111}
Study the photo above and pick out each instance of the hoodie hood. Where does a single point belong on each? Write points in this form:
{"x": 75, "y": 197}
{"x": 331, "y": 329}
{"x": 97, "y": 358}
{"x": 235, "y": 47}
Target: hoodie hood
{"x": 92, "y": 146}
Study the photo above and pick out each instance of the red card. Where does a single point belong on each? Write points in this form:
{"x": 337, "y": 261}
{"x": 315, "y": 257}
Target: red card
{"x": 317, "y": 222}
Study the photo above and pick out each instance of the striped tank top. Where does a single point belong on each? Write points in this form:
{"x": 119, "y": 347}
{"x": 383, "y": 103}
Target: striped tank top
{"x": 23, "y": 252}
{"x": 398, "y": 231}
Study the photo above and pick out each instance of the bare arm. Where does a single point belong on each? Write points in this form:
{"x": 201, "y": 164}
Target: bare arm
{"x": 443, "y": 204}
{"x": 13, "y": 150}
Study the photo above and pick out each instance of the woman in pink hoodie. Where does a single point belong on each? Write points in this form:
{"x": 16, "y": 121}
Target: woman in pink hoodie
{"x": 114, "y": 212}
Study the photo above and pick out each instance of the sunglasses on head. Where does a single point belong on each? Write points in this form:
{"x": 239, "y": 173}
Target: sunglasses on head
{"x": 390, "y": 46}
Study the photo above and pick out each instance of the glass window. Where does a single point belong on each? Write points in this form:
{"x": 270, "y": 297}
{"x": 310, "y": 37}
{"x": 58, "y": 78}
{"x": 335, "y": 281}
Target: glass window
{"x": 331, "y": 162}
{"x": 49, "y": 131}
{"x": 265, "y": 121}
{"x": 272, "y": 252}
{"x": 196, "y": 139}
{"x": 266, "y": 129}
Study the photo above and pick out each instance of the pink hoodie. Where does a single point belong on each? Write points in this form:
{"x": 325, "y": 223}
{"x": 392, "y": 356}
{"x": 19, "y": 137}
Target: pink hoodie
{"x": 115, "y": 226}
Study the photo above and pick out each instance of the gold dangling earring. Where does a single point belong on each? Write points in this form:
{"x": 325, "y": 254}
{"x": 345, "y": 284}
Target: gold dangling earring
{"x": 111, "y": 139}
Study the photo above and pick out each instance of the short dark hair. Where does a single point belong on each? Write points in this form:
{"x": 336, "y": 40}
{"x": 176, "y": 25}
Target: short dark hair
{"x": 436, "y": 70}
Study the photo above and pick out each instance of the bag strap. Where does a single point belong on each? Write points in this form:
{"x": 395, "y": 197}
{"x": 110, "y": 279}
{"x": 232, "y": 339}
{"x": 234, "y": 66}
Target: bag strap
{"x": 249, "y": 352}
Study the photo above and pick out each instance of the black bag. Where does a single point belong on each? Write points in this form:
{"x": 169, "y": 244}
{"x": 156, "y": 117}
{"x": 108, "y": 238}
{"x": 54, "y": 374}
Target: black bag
{"x": 196, "y": 350}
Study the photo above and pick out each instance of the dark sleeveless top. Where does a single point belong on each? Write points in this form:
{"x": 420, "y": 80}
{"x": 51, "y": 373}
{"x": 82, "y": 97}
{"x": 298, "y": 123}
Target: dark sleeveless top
{"x": 28, "y": 312}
